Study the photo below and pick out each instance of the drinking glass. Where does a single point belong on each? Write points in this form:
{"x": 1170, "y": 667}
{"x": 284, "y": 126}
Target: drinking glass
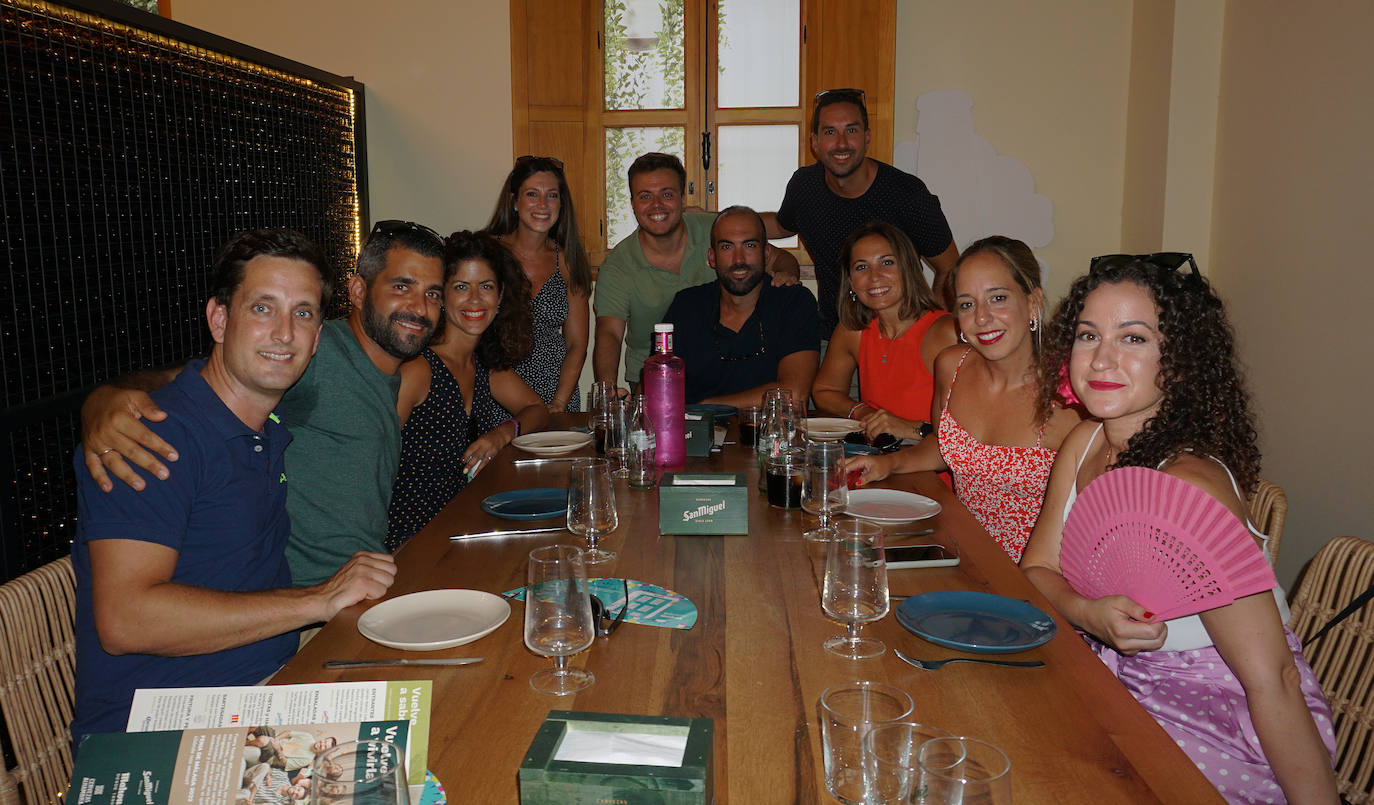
{"x": 825, "y": 487}
{"x": 892, "y": 769}
{"x": 855, "y": 587}
{"x": 847, "y": 712}
{"x": 558, "y": 616}
{"x": 615, "y": 413}
{"x": 368, "y": 772}
{"x": 964, "y": 771}
{"x": 596, "y": 402}
{"x": 785, "y": 470}
{"x": 749, "y": 426}
{"x": 591, "y": 506}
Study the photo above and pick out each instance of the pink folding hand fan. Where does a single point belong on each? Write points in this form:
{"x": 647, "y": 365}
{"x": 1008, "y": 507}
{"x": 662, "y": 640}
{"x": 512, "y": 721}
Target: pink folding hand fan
{"x": 1161, "y": 541}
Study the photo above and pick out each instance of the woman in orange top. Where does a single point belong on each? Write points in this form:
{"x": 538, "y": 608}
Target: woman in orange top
{"x": 890, "y": 330}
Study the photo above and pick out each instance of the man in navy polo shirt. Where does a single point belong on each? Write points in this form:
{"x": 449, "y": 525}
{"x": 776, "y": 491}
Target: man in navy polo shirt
{"x": 740, "y": 335}
{"x": 186, "y": 583}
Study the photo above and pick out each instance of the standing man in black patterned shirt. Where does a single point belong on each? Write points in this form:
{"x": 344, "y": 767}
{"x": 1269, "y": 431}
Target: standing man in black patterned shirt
{"x": 824, "y": 202}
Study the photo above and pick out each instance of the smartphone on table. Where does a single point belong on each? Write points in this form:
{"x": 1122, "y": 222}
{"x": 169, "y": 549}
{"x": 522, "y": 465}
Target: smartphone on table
{"x": 928, "y": 555}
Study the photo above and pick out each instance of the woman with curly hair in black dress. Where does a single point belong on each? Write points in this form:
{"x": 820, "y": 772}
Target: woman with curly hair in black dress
{"x": 1150, "y": 355}
{"x": 455, "y": 395}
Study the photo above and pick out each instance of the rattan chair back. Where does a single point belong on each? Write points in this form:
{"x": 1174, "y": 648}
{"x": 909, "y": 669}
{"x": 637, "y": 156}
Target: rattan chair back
{"x": 1344, "y": 658}
{"x": 1268, "y": 509}
{"x": 38, "y": 677}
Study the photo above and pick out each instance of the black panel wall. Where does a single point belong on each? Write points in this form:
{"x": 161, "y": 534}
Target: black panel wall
{"x": 130, "y": 148}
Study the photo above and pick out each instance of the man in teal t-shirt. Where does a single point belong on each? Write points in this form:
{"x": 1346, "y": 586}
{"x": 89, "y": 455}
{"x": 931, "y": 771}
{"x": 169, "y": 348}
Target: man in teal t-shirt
{"x": 665, "y": 254}
{"x": 346, "y": 436}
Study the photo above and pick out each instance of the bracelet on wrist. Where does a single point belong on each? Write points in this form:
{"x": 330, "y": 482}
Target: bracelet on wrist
{"x": 513, "y": 421}
{"x": 855, "y": 408}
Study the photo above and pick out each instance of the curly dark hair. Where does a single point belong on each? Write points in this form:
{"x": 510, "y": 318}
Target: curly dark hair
{"x": 510, "y": 337}
{"x": 504, "y": 219}
{"x": 1205, "y": 407}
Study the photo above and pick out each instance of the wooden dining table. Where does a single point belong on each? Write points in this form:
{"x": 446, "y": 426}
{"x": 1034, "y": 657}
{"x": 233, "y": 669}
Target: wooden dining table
{"x": 754, "y": 661}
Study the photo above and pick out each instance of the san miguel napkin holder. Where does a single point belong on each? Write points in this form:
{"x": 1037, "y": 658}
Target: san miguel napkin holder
{"x": 703, "y": 503}
{"x": 596, "y": 758}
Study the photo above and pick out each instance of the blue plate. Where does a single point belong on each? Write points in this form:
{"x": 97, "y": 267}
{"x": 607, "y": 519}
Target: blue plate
{"x": 979, "y": 622}
{"x": 717, "y": 410}
{"x": 527, "y": 504}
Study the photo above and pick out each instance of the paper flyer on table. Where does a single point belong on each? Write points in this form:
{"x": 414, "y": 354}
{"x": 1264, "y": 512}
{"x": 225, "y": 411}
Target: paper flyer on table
{"x": 157, "y": 709}
{"x": 225, "y": 766}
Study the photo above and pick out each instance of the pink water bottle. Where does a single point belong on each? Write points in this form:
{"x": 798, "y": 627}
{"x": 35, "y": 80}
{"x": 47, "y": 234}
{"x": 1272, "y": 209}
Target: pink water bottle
{"x": 665, "y": 394}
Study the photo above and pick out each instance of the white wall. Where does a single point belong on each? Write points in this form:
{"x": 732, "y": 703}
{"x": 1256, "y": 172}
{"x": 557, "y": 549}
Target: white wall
{"x": 438, "y": 90}
{"x": 1293, "y": 206}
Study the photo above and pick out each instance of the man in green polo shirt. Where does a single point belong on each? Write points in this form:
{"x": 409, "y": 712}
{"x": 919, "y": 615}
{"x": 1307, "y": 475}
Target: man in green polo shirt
{"x": 666, "y": 253}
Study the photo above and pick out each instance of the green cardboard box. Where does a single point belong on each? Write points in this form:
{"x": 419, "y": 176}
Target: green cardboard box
{"x": 546, "y": 780}
{"x": 700, "y": 433}
{"x": 703, "y": 503}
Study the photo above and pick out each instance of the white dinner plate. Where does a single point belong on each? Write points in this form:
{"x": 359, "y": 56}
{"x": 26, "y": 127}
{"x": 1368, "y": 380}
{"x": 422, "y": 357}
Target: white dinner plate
{"x": 552, "y": 442}
{"x": 890, "y": 506}
{"x": 831, "y": 429}
{"x": 434, "y": 619}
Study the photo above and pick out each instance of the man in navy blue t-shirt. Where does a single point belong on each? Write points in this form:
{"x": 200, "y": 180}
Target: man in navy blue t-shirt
{"x": 186, "y": 582}
{"x": 740, "y": 335}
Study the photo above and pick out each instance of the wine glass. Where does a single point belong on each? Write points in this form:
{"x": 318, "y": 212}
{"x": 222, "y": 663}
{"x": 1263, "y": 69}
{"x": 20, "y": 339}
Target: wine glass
{"x": 558, "y": 616}
{"x": 591, "y": 506}
{"x": 855, "y": 588}
{"x": 825, "y": 487}
{"x": 370, "y": 772}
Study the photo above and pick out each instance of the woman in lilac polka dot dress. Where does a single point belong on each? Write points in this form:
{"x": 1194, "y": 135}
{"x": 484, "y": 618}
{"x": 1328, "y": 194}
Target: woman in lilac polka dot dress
{"x": 1151, "y": 356}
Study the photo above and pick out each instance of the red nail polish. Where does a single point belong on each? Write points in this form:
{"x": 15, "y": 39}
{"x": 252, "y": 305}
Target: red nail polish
{"x": 1149, "y": 615}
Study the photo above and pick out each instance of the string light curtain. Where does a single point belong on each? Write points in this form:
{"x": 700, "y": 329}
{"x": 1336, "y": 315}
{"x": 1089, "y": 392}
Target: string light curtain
{"x": 131, "y": 147}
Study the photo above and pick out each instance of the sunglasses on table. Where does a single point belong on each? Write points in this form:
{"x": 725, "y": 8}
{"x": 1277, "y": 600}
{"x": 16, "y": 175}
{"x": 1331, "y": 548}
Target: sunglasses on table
{"x": 393, "y": 226}
{"x": 605, "y": 624}
{"x": 1166, "y": 262}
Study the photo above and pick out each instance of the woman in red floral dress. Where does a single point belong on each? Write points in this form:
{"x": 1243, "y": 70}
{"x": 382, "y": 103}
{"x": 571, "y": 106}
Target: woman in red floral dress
{"x": 993, "y": 435}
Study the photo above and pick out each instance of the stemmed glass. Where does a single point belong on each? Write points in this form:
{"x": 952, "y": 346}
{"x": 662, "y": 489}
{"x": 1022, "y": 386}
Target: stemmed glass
{"x": 855, "y": 588}
{"x": 591, "y": 506}
{"x": 825, "y": 487}
{"x": 558, "y": 616}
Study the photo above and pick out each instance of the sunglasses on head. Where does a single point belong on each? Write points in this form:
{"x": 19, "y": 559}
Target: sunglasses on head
{"x": 392, "y": 227}
{"x": 1167, "y": 262}
{"x": 843, "y": 94}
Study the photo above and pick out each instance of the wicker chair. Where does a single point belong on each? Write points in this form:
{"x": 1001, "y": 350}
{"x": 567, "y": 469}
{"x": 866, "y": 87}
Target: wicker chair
{"x": 37, "y": 678}
{"x": 1268, "y": 509}
{"x": 1344, "y": 658}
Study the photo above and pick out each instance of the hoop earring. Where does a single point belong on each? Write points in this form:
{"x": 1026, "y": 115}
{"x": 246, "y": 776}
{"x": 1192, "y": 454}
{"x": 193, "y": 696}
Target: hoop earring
{"x": 853, "y": 297}
{"x": 962, "y": 339}
{"x": 1035, "y": 324}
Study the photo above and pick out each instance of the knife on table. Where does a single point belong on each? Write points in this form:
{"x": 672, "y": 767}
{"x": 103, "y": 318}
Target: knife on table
{"x": 534, "y": 462}
{"x": 379, "y": 663}
{"x": 508, "y": 532}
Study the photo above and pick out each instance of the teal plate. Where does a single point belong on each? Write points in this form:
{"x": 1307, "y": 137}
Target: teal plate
{"x": 527, "y": 504}
{"x": 982, "y": 623}
{"x": 717, "y": 410}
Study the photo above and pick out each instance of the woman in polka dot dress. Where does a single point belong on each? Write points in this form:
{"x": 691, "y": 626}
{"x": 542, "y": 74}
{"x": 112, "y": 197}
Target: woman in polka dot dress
{"x": 992, "y": 435}
{"x": 454, "y": 396}
{"x": 1150, "y": 354}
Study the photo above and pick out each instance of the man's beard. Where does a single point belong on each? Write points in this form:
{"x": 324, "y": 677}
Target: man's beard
{"x": 384, "y": 334}
{"x": 742, "y": 287}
